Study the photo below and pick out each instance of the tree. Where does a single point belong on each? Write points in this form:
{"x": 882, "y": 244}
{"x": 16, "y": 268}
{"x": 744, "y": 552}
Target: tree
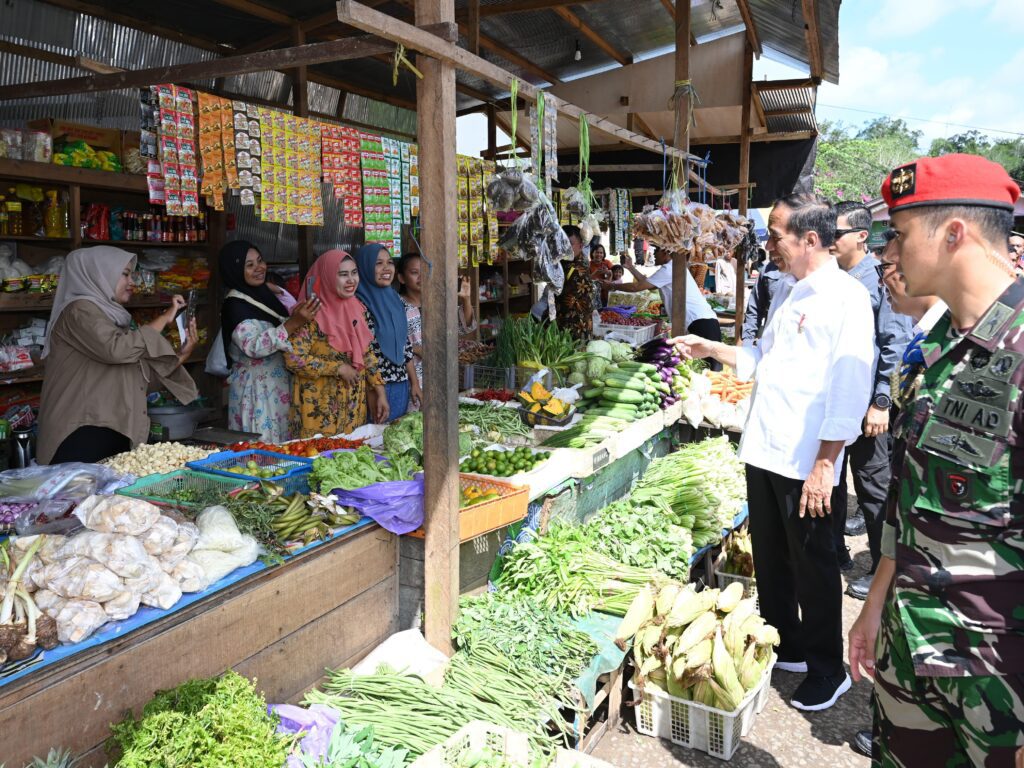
{"x": 1009, "y": 153}
{"x": 852, "y": 166}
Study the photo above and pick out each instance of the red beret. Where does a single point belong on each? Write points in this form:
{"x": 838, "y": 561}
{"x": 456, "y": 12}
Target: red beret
{"x": 950, "y": 180}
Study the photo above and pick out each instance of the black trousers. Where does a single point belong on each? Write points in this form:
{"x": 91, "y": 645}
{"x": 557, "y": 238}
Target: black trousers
{"x": 798, "y": 583}
{"x": 870, "y": 459}
{"x": 90, "y": 445}
{"x": 709, "y": 329}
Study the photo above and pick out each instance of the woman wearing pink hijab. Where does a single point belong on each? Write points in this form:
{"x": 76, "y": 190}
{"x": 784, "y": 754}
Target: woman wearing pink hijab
{"x": 331, "y": 360}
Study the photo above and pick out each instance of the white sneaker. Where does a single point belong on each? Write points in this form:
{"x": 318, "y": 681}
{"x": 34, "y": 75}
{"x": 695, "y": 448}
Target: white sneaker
{"x": 792, "y": 666}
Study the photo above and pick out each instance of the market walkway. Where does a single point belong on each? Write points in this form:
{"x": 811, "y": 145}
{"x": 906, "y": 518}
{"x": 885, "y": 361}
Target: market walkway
{"x": 782, "y": 737}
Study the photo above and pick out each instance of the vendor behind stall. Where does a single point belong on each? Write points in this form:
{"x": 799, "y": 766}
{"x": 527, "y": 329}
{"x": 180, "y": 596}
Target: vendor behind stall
{"x": 331, "y": 358}
{"x": 99, "y": 365}
{"x": 256, "y": 330}
{"x": 575, "y": 304}
{"x": 389, "y": 327}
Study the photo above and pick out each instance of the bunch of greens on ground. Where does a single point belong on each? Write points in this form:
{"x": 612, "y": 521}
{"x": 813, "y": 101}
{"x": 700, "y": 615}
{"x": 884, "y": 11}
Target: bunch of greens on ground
{"x": 527, "y": 634}
{"x": 359, "y": 468}
{"x": 644, "y": 535}
{"x": 206, "y": 723}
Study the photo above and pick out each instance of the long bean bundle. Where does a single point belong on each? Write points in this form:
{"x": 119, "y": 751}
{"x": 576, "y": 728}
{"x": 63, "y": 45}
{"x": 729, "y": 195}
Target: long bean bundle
{"x": 526, "y": 343}
{"x": 563, "y": 571}
{"x": 494, "y": 421}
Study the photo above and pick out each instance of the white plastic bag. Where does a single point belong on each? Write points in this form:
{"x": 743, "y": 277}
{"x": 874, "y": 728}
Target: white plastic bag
{"x": 49, "y": 602}
{"x": 79, "y": 578}
{"x": 117, "y": 514}
{"x": 189, "y": 576}
{"x": 161, "y": 537}
{"x": 184, "y": 542}
{"x": 78, "y": 619}
{"x": 217, "y": 564}
{"x": 217, "y": 359}
{"x": 164, "y": 594}
{"x": 123, "y": 606}
{"x": 124, "y": 555}
{"x": 217, "y": 530}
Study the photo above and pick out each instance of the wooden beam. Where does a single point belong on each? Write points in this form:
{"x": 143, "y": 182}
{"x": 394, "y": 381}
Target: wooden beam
{"x": 283, "y": 58}
{"x": 358, "y": 90}
{"x": 758, "y": 105}
{"x": 640, "y": 125}
{"x": 364, "y": 18}
{"x": 259, "y": 11}
{"x": 300, "y": 100}
{"x": 473, "y": 22}
{"x": 39, "y": 54}
{"x": 811, "y": 31}
{"x": 492, "y": 129}
{"x": 671, "y": 8}
{"x": 435, "y": 94}
{"x": 592, "y": 35}
{"x": 616, "y": 167}
{"x": 682, "y": 143}
{"x": 748, "y": 75}
{"x": 132, "y": 22}
{"x": 519, "y": 6}
{"x": 801, "y": 110}
{"x": 748, "y": 21}
{"x": 495, "y": 47}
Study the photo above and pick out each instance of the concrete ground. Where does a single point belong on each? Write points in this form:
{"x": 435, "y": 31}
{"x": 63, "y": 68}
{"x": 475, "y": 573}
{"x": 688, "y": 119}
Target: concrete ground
{"x": 781, "y": 735}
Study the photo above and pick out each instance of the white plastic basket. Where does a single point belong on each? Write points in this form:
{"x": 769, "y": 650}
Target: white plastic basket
{"x": 697, "y": 726}
{"x": 510, "y": 745}
{"x": 749, "y": 584}
{"x": 634, "y": 335}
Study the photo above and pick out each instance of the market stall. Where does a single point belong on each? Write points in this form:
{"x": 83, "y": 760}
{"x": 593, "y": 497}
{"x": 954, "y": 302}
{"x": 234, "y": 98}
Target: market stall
{"x": 580, "y": 457}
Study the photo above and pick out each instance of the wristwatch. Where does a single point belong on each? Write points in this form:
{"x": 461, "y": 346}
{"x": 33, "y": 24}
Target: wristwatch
{"x": 882, "y": 402}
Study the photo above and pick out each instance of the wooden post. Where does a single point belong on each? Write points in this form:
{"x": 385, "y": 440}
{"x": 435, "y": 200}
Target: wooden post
{"x": 492, "y": 131}
{"x": 748, "y": 76}
{"x": 682, "y": 142}
{"x": 473, "y": 19}
{"x": 435, "y": 97}
{"x": 300, "y": 106}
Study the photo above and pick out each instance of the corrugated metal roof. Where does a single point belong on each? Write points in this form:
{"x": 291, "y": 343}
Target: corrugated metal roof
{"x": 780, "y": 26}
{"x": 797, "y": 104}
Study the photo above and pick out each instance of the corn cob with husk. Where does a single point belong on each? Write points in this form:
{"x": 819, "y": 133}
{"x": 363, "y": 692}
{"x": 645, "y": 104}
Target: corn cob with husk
{"x": 739, "y": 556}
{"x": 710, "y": 647}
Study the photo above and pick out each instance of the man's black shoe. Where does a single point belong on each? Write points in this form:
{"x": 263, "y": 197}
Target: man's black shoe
{"x": 855, "y": 525}
{"x": 862, "y": 742}
{"x": 818, "y": 692}
{"x": 845, "y": 561}
{"x": 859, "y": 588}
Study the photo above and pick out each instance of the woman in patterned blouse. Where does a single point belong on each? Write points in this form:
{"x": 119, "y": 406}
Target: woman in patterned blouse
{"x": 332, "y": 356}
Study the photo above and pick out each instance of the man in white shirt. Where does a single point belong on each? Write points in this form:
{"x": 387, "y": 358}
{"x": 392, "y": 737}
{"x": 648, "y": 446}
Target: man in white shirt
{"x": 700, "y": 317}
{"x": 814, "y": 372}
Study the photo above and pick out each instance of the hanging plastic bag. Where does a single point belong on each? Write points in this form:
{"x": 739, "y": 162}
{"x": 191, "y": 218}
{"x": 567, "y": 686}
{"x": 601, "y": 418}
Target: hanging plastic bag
{"x": 396, "y": 506}
{"x": 217, "y": 359}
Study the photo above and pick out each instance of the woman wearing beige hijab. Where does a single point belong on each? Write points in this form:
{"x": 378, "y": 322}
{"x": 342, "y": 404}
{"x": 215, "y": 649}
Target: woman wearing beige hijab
{"x": 99, "y": 366}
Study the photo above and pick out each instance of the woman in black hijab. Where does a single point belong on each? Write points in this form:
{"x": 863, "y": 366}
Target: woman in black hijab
{"x": 255, "y": 328}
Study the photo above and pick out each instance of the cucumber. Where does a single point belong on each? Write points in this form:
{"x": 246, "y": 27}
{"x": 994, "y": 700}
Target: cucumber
{"x": 616, "y": 413}
{"x": 633, "y": 365}
{"x": 623, "y": 396}
{"x": 592, "y": 393}
{"x": 621, "y": 382}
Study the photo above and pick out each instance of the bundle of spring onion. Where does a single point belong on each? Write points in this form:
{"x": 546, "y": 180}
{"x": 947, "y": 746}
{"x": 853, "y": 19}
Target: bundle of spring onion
{"x": 710, "y": 647}
{"x": 527, "y": 634}
{"x": 525, "y": 343}
{"x": 562, "y": 571}
{"x": 701, "y": 486}
{"x": 407, "y": 713}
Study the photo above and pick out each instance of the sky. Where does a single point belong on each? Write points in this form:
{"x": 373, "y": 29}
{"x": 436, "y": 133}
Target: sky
{"x": 944, "y": 66}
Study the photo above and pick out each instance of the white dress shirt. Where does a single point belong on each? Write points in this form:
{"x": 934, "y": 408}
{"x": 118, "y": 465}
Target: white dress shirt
{"x": 697, "y": 307}
{"x": 813, "y": 366}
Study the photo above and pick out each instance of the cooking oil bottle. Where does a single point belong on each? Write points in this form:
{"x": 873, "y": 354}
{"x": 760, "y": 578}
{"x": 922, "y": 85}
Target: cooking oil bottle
{"x": 55, "y": 219}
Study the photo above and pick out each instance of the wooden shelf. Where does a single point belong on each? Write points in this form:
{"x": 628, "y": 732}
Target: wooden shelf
{"x": 36, "y": 240}
{"x": 27, "y": 376}
{"x": 499, "y": 300}
{"x": 135, "y": 244}
{"x": 48, "y": 173}
{"x": 23, "y": 301}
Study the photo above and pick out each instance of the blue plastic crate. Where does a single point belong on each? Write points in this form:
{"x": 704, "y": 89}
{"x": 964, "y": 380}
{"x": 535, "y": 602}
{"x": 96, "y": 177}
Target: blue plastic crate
{"x": 296, "y": 467}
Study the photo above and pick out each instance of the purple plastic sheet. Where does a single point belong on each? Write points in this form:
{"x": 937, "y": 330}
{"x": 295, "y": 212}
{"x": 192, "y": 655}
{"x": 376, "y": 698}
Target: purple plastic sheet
{"x": 395, "y": 506}
{"x": 317, "y": 722}
{"x": 624, "y": 311}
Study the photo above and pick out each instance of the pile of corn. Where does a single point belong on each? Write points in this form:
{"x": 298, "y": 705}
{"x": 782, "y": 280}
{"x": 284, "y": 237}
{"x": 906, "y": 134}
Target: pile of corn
{"x": 710, "y": 647}
{"x": 739, "y": 555}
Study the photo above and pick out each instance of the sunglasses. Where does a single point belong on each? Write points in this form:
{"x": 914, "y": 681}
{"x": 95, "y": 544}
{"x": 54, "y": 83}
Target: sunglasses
{"x": 845, "y": 232}
{"x": 882, "y": 267}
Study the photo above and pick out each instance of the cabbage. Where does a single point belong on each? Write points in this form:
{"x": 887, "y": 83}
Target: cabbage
{"x": 577, "y": 378}
{"x": 596, "y": 367}
{"x": 600, "y": 348}
{"x": 621, "y": 351}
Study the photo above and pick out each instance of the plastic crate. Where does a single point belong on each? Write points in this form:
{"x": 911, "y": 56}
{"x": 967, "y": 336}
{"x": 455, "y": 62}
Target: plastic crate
{"x": 221, "y": 463}
{"x": 635, "y": 335}
{"x": 488, "y": 516}
{"x": 159, "y": 489}
{"x": 474, "y": 376}
{"x": 749, "y": 584}
{"x": 512, "y": 746}
{"x": 697, "y": 726}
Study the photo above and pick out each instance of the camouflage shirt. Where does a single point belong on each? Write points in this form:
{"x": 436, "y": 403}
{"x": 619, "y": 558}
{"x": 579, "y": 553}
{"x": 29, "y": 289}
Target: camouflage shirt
{"x": 956, "y": 502}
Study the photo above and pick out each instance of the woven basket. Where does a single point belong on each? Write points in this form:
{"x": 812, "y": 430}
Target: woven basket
{"x": 700, "y": 274}
{"x": 490, "y": 515}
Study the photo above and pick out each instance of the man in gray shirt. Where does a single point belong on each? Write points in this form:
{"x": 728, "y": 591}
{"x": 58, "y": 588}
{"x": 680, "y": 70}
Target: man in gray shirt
{"x": 767, "y": 285}
{"x": 870, "y": 455}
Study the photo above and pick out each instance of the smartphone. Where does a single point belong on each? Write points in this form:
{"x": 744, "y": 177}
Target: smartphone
{"x": 310, "y": 282}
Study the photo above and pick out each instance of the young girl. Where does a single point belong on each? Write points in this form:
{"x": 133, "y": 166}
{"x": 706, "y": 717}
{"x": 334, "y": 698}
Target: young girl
{"x": 332, "y": 356}
{"x": 409, "y": 275}
{"x": 389, "y": 328}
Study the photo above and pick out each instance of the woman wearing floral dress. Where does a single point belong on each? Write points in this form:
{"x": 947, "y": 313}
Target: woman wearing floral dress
{"x": 332, "y": 361}
{"x": 409, "y": 275}
{"x": 389, "y": 327}
{"x": 256, "y": 330}
{"x": 575, "y": 304}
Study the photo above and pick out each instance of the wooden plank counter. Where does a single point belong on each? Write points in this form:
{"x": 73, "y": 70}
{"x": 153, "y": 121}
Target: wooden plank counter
{"x": 328, "y": 607}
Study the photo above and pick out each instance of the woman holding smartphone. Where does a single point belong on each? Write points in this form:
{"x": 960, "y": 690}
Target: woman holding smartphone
{"x": 256, "y": 330}
{"x": 332, "y": 359}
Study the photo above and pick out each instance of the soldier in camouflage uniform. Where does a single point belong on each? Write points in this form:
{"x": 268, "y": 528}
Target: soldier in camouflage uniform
{"x": 947, "y": 603}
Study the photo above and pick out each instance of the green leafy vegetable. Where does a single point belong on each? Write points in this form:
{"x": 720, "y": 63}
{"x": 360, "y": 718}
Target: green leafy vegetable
{"x": 359, "y": 468}
{"x": 205, "y": 723}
